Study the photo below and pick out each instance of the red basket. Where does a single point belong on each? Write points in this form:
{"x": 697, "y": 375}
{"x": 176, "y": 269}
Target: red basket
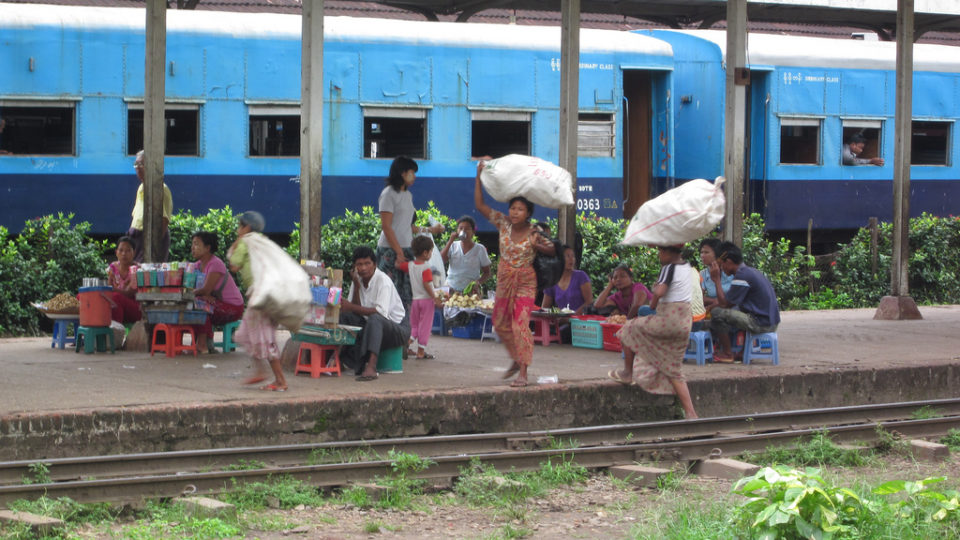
{"x": 610, "y": 341}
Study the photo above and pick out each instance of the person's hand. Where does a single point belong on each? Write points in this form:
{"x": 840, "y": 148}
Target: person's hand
{"x": 878, "y": 161}
{"x": 480, "y": 165}
{"x": 715, "y": 271}
{"x": 400, "y": 259}
{"x": 436, "y": 229}
{"x": 610, "y": 282}
{"x": 354, "y": 275}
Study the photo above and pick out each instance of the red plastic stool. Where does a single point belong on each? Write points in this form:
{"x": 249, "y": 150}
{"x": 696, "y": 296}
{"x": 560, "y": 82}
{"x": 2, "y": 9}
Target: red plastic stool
{"x": 545, "y": 331}
{"x": 319, "y": 359}
{"x": 164, "y": 347}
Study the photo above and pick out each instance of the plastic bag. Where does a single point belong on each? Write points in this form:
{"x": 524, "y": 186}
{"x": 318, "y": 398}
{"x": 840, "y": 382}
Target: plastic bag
{"x": 682, "y": 214}
{"x": 539, "y": 181}
{"x": 281, "y": 289}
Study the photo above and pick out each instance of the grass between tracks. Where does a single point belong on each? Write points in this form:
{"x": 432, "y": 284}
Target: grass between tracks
{"x": 786, "y": 499}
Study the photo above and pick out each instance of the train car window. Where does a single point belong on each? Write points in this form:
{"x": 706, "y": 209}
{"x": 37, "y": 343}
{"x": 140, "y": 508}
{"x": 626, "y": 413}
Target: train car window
{"x": 498, "y": 133}
{"x": 596, "y": 135}
{"x": 37, "y": 129}
{"x": 800, "y": 141}
{"x": 182, "y": 129}
{"x": 274, "y": 131}
{"x": 869, "y": 130}
{"x": 389, "y": 132}
{"x": 930, "y": 143}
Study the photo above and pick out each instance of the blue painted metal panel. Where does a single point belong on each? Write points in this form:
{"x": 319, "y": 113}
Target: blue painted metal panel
{"x": 341, "y": 75}
{"x": 101, "y": 58}
{"x": 395, "y": 75}
{"x": 499, "y": 78}
{"x": 101, "y": 128}
{"x": 865, "y": 93}
{"x": 185, "y": 73}
{"x": 224, "y": 69}
{"x": 269, "y": 73}
{"x": 597, "y": 83}
{"x": 56, "y": 55}
{"x": 133, "y": 75}
{"x": 453, "y": 68}
{"x": 935, "y": 95}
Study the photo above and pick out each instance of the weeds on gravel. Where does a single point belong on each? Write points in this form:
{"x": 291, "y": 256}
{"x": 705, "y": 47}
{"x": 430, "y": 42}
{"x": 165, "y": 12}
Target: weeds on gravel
{"x": 280, "y": 491}
{"x": 65, "y": 509}
{"x": 926, "y": 413}
{"x": 481, "y": 484}
{"x": 820, "y": 450}
{"x": 161, "y": 520}
{"x": 401, "y": 487}
{"x": 508, "y": 532}
{"x": 672, "y": 480}
{"x": 891, "y": 442}
{"x": 689, "y": 520}
{"x": 952, "y": 440}
{"x": 377, "y": 526}
{"x": 322, "y": 456}
{"x": 554, "y": 443}
{"x": 40, "y": 473}
{"x": 246, "y": 465}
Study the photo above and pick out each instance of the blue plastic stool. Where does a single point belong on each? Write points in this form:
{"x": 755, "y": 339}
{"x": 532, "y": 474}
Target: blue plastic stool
{"x": 491, "y": 333}
{"x": 439, "y": 325}
{"x": 761, "y": 347}
{"x": 228, "y": 345}
{"x": 88, "y": 337}
{"x": 700, "y": 347}
{"x": 61, "y": 327}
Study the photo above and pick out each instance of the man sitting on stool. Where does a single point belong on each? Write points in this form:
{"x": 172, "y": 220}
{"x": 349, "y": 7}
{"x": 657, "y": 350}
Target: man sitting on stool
{"x": 750, "y": 304}
{"x": 374, "y": 305}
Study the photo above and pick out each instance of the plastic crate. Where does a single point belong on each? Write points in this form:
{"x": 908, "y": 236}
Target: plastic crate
{"x": 473, "y": 330}
{"x": 319, "y": 295}
{"x": 587, "y": 332}
{"x": 610, "y": 341}
{"x": 165, "y": 316}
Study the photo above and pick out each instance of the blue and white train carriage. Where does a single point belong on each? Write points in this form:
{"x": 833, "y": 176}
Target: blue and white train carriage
{"x": 73, "y": 86}
{"x": 806, "y": 97}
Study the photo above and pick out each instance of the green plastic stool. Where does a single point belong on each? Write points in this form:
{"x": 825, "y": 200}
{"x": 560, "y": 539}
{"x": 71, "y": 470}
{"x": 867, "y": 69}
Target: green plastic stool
{"x": 228, "y": 344}
{"x": 89, "y": 338}
{"x": 390, "y": 360}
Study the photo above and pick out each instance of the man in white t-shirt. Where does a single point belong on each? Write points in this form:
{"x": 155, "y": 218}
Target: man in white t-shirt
{"x": 468, "y": 260}
{"x": 374, "y": 305}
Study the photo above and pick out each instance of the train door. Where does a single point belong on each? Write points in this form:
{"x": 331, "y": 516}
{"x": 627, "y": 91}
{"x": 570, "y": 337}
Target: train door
{"x": 756, "y": 137}
{"x": 637, "y": 143}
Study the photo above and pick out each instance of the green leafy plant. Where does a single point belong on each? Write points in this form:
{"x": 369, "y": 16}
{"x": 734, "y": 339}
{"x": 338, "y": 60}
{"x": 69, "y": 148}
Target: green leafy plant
{"x": 926, "y": 413}
{"x": 281, "y": 491}
{"x": 922, "y": 504}
{"x": 786, "y": 503}
{"x": 246, "y": 465}
{"x": 952, "y": 440}
{"x": 819, "y": 450}
{"x": 183, "y": 224}
{"x": 40, "y": 473}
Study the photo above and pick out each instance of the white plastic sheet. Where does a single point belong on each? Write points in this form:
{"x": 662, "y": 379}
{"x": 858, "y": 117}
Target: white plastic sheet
{"x": 281, "y": 289}
{"x": 682, "y": 214}
{"x": 539, "y": 181}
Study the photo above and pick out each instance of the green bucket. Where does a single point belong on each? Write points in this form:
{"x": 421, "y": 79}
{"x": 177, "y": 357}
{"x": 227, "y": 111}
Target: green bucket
{"x": 390, "y": 360}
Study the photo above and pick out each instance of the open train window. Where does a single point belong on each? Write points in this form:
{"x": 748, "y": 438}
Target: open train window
{"x": 870, "y": 131}
{"x": 391, "y": 132}
{"x": 595, "y": 134}
{"x": 274, "y": 130}
{"x": 930, "y": 143}
{"x": 498, "y": 133}
{"x": 182, "y": 129}
{"x": 800, "y": 141}
{"x": 37, "y": 128}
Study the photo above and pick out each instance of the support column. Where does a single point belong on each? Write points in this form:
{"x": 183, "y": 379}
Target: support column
{"x": 738, "y": 77}
{"x": 569, "y": 109}
{"x": 154, "y": 127}
{"x": 899, "y": 305}
{"x": 311, "y": 128}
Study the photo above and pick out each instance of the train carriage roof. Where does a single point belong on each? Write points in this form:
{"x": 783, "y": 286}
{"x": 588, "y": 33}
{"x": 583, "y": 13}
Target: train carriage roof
{"x": 798, "y": 51}
{"x": 274, "y": 25}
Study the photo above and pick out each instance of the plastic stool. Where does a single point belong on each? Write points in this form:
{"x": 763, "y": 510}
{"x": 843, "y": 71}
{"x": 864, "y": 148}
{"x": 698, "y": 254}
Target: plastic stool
{"x": 545, "y": 331}
{"x": 491, "y": 333}
{"x": 88, "y": 337}
{"x": 700, "y": 347}
{"x": 439, "y": 324}
{"x": 228, "y": 345}
{"x": 61, "y": 327}
{"x": 319, "y": 359}
{"x": 390, "y": 360}
{"x": 760, "y": 347}
{"x": 163, "y": 347}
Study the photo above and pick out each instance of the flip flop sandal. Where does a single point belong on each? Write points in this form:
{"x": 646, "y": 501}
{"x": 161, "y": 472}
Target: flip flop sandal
{"x": 255, "y": 379}
{"x": 615, "y": 375}
{"x": 518, "y": 384}
{"x": 365, "y": 378}
{"x": 273, "y": 388}
{"x": 427, "y": 356}
{"x": 722, "y": 359}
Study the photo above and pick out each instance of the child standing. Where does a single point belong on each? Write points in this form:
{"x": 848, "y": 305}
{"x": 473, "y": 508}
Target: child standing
{"x": 424, "y": 299}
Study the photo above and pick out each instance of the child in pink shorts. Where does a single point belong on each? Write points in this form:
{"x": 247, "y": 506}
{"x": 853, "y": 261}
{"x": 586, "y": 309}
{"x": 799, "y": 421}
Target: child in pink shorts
{"x": 424, "y": 299}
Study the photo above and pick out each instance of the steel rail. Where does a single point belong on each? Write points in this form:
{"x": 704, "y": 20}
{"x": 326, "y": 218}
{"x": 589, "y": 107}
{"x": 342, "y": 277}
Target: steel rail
{"x": 161, "y": 463}
{"x": 172, "y": 485}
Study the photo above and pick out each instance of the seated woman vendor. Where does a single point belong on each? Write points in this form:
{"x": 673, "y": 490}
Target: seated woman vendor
{"x": 630, "y": 299}
{"x": 573, "y": 291}
{"x": 219, "y": 289}
{"x": 122, "y": 276}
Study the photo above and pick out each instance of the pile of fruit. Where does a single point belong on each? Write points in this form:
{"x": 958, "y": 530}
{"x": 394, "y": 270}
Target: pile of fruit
{"x": 616, "y": 319}
{"x": 463, "y": 301}
{"x": 63, "y": 303}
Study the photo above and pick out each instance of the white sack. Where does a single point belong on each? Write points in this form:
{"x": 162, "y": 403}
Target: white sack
{"x": 281, "y": 289}
{"x": 682, "y": 214}
{"x": 539, "y": 181}
{"x": 436, "y": 261}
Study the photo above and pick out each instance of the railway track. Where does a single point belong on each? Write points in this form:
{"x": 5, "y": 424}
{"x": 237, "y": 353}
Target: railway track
{"x": 131, "y": 477}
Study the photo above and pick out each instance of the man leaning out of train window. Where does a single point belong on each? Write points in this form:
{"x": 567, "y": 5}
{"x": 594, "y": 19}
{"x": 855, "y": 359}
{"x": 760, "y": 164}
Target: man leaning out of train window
{"x": 853, "y": 148}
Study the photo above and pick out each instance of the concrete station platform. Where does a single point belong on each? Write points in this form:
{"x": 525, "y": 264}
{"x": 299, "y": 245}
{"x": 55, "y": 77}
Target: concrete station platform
{"x": 57, "y": 403}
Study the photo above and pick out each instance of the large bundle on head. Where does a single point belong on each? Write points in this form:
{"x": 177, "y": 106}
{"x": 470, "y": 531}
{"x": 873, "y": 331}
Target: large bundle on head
{"x": 281, "y": 288}
{"x": 534, "y": 179}
{"x": 682, "y": 214}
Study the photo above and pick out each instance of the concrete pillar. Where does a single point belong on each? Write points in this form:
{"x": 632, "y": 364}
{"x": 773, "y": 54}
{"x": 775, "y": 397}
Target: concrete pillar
{"x": 569, "y": 108}
{"x": 311, "y": 128}
{"x": 154, "y": 127}
{"x": 738, "y": 77}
